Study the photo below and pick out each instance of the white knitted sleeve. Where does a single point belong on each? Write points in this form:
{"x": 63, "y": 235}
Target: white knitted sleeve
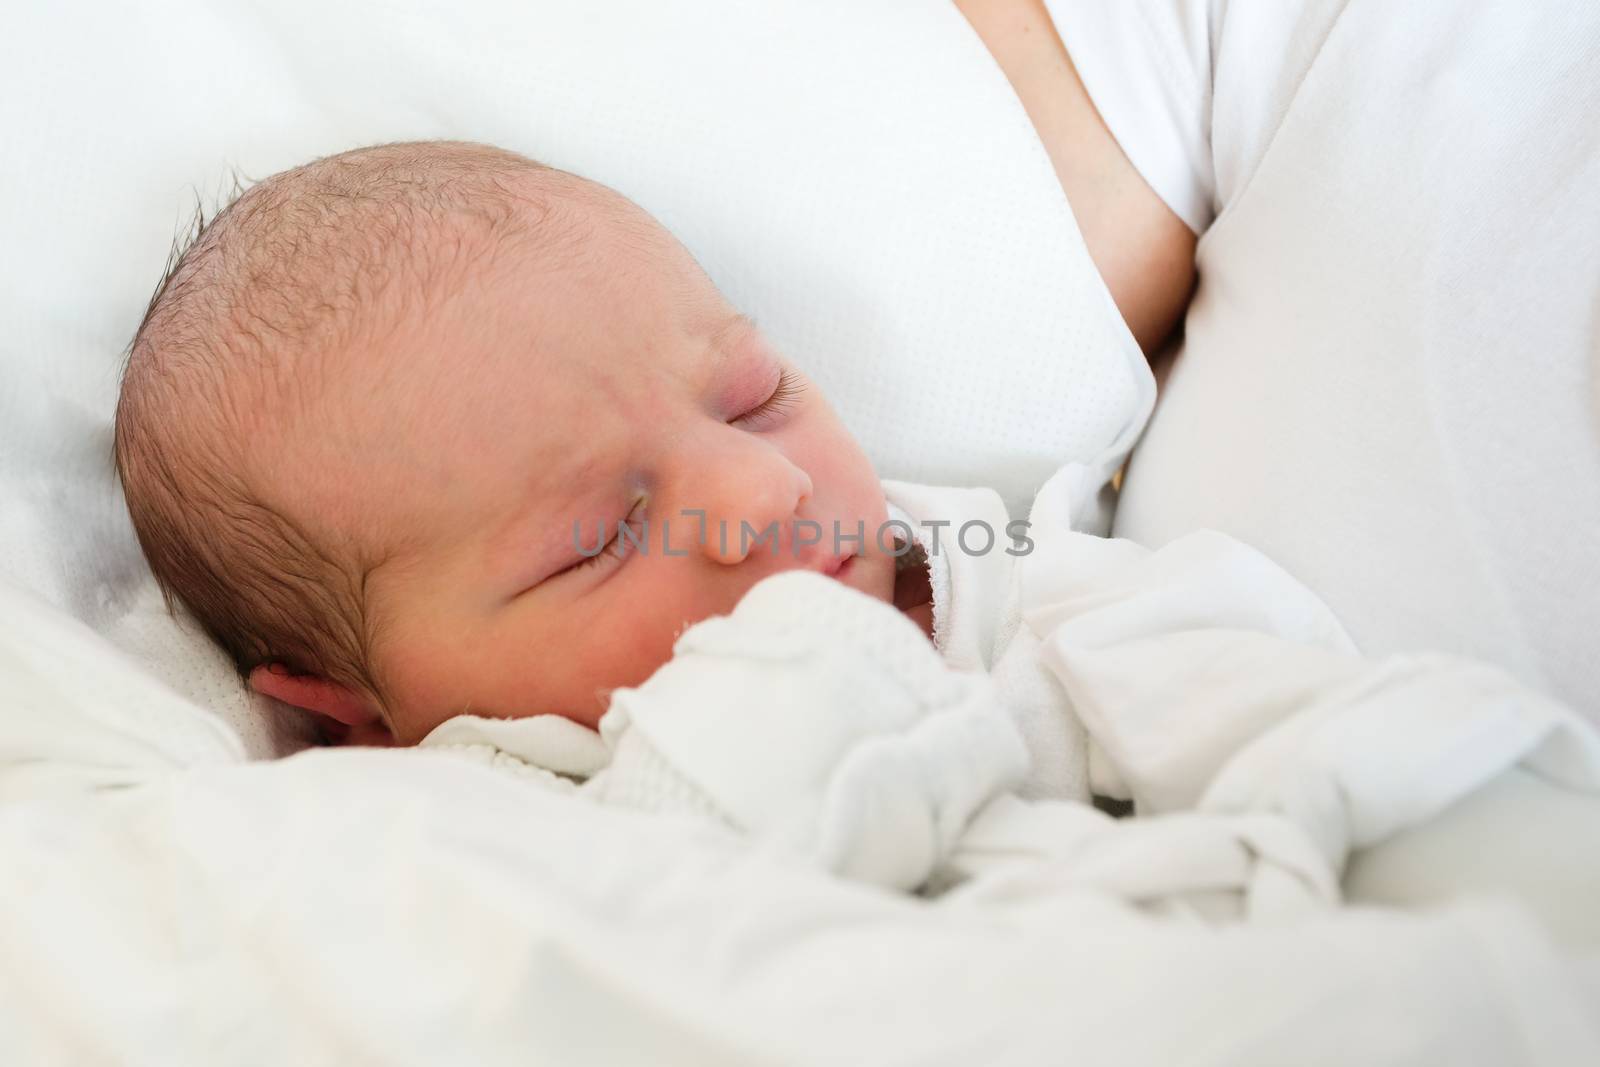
{"x": 821, "y": 722}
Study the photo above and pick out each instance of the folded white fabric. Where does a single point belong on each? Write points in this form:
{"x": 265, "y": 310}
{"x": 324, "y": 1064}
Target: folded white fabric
{"x": 556, "y": 751}
{"x": 977, "y": 618}
{"x": 1190, "y": 865}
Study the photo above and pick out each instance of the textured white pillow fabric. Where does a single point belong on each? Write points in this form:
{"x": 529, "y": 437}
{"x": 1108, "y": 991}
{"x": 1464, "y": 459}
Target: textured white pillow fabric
{"x": 75, "y": 712}
{"x": 857, "y": 176}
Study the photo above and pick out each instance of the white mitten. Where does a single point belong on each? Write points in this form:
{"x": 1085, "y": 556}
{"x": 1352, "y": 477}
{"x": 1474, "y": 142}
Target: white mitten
{"x": 822, "y": 722}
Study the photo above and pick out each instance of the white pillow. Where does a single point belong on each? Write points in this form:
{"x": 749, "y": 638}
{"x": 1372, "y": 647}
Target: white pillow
{"x": 857, "y": 176}
{"x": 76, "y": 712}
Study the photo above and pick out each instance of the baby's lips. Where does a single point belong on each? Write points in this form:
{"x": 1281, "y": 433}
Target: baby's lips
{"x": 828, "y": 564}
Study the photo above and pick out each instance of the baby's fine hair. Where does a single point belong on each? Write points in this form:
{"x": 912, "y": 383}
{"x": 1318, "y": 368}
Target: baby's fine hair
{"x": 252, "y": 302}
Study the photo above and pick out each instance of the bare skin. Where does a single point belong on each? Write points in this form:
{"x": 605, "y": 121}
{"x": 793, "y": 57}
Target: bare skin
{"x": 1143, "y": 251}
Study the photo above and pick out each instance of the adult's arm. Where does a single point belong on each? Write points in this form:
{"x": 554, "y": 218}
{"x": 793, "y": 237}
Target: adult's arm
{"x": 1143, "y": 250}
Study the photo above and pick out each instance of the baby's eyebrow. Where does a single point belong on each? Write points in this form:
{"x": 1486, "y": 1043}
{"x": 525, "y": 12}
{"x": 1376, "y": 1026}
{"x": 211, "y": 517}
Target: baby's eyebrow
{"x": 730, "y": 328}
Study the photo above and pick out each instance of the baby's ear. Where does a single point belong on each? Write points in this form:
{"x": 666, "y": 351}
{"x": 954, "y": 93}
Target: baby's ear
{"x": 352, "y": 717}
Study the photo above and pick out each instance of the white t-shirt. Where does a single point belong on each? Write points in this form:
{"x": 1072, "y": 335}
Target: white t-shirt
{"x": 1390, "y": 381}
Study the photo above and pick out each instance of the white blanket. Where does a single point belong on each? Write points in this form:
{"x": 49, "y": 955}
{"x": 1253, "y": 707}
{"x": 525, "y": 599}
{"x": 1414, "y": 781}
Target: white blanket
{"x": 404, "y": 907}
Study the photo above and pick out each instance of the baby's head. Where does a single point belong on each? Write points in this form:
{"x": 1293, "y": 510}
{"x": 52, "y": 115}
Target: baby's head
{"x": 376, "y": 394}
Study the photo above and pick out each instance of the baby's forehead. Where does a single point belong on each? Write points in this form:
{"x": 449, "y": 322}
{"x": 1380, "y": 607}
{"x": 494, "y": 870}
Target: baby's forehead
{"x": 311, "y": 273}
{"x": 367, "y": 325}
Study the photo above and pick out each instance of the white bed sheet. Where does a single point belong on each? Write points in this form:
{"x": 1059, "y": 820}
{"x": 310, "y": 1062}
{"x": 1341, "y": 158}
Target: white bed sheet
{"x": 407, "y": 907}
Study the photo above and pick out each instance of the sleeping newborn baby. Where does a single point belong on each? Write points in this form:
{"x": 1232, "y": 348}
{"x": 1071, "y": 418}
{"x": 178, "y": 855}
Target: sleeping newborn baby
{"x": 385, "y": 409}
{"x": 446, "y": 446}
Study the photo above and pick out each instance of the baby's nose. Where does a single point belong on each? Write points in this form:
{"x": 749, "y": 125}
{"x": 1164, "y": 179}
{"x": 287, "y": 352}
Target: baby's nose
{"x": 753, "y": 508}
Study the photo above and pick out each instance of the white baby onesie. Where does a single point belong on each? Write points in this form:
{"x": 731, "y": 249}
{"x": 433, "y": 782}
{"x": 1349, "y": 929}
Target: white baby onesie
{"x": 1199, "y": 680}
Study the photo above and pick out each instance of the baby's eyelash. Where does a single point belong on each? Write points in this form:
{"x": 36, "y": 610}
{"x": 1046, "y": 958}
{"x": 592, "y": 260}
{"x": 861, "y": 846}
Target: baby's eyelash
{"x": 618, "y": 547}
{"x": 790, "y": 386}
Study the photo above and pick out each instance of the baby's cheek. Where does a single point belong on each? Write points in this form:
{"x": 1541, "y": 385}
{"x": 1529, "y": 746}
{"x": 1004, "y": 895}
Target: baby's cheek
{"x": 857, "y": 478}
{"x": 626, "y": 642}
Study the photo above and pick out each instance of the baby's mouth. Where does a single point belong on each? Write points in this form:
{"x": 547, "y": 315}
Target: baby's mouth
{"x": 834, "y": 566}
